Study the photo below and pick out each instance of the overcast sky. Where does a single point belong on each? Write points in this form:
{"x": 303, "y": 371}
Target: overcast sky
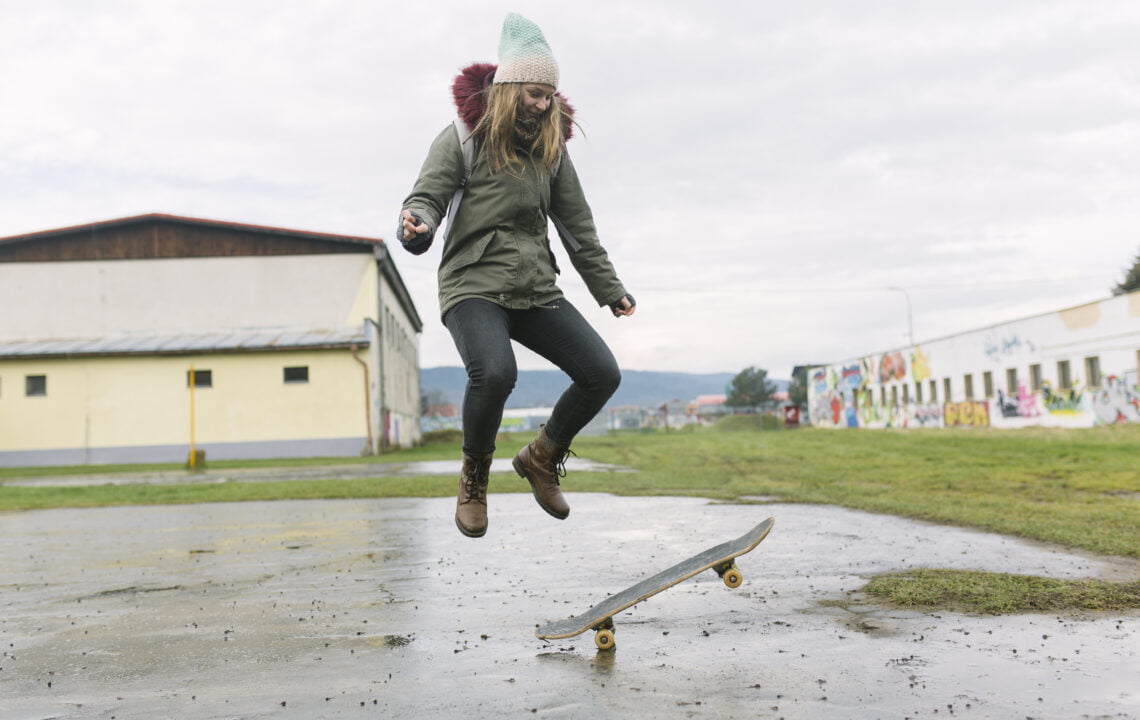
{"x": 761, "y": 173}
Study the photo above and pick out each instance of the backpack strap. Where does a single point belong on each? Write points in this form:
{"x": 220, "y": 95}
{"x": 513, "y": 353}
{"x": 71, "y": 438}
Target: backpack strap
{"x": 467, "y": 146}
{"x": 571, "y": 244}
{"x": 567, "y": 238}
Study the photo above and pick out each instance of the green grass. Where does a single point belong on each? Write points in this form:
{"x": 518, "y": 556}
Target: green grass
{"x": 42, "y": 498}
{"x": 1076, "y": 488}
{"x": 996, "y": 594}
{"x": 1079, "y": 488}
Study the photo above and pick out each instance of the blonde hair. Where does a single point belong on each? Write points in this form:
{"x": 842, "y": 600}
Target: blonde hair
{"x": 496, "y": 131}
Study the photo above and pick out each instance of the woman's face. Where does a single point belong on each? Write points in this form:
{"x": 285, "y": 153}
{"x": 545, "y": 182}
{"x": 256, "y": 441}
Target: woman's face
{"x": 536, "y": 99}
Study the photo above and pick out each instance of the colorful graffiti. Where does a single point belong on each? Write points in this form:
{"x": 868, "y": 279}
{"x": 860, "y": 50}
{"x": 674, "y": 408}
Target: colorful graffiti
{"x": 998, "y": 347}
{"x": 1023, "y": 406}
{"x": 819, "y": 381}
{"x": 927, "y": 416}
{"x": 919, "y": 366}
{"x": 1117, "y": 401}
{"x": 853, "y": 376}
{"x": 1063, "y": 402}
{"x": 901, "y": 389}
{"x": 826, "y": 407}
{"x": 892, "y": 366}
{"x": 971, "y": 413}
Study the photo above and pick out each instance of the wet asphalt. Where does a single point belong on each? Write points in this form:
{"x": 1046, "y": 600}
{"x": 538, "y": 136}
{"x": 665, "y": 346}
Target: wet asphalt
{"x": 380, "y": 608}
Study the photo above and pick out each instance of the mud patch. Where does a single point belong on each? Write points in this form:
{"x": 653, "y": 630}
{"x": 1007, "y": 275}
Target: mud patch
{"x": 396, "y": 641}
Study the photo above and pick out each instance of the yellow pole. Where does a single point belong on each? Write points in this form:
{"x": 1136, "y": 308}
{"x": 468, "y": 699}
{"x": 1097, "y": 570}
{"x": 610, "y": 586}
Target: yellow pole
{"x": 193, "y": 458}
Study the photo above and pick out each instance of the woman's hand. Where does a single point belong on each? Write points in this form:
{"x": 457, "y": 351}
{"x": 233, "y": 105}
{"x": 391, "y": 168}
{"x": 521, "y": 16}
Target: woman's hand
{"x": 624, "y": 307}
{"x": 411, "y": 229}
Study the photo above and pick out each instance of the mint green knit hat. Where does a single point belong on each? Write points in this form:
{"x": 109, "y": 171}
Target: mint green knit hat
{"x": 524, "y": 56}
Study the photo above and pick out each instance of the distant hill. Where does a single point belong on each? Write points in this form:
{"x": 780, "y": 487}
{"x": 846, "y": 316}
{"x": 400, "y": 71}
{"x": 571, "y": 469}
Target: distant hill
{"x": 541, "y": 388}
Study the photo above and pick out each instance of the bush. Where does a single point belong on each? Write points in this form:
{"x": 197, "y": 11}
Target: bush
{"x": 443, "y": 436}
{"x": 748, "y": 422}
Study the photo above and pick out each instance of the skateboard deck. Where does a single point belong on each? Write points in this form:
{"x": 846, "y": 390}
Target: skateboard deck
{"x": 600, "y": 617}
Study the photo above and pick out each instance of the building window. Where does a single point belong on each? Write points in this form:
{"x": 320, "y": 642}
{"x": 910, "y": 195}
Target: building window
{"x": 894, "y": 395}
{"x": 918, "y": 393}
{"x": 299, "y": 374}
{"x": 1036, "y": 379}
{"x": 969, "y": 379}
{"x": 35, "y": 385}
{"x": 1064, "y": 375}
{"x": 883, "y": 396}
{"x": 906, "y": 394}
{"x": 947, "y": 388}
{"x": 933, "y": 391}
{"x": 201, "y": 379}
{"x": 1092, "y": 371}
{"x": 1011, "y": 381}
{"x": 988, "y": 383}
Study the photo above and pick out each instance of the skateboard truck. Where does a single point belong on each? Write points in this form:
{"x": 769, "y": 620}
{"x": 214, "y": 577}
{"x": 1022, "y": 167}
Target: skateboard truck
{"x": 730, "y": 574}
{"x": 604, "y": 634}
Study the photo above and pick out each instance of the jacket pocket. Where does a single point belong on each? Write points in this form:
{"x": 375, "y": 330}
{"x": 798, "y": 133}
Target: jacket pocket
{"x": 470, "y": 254}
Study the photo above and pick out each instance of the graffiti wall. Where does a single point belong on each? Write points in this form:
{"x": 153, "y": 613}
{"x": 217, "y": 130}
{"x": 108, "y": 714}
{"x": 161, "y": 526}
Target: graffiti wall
{"x": 1077, "y": 367}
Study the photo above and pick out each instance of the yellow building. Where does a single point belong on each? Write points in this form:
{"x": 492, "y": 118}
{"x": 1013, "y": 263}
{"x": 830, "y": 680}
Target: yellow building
{"x": 301, "y": 344}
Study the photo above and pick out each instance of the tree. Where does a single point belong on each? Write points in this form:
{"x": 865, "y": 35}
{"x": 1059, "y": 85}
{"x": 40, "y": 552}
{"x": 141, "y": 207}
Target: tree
{"x": 798, "y": 390}
{"x": 750, "y": 388}
{"x": 1131, "y": 281}
{"x": 431, "y": 400}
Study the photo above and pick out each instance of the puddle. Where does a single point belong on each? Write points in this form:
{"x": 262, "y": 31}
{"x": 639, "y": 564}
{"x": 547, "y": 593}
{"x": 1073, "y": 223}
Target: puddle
{"x": 363, "y": 608}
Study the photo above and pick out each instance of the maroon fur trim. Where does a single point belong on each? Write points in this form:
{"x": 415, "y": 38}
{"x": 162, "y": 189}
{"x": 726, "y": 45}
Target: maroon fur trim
{"x": 467, "y": 92}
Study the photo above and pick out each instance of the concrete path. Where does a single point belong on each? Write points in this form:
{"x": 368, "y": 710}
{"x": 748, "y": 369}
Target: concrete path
{"x": 311, "y": 472}
{"x": 381, "y": 609}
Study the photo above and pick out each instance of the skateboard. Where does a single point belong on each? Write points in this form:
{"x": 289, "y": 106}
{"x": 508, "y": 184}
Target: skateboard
{"x": 600, "y": 617}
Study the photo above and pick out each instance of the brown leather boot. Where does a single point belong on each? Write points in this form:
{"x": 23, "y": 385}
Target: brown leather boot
{"x": 542, "y": 462}
{"x": 471, "y": 505}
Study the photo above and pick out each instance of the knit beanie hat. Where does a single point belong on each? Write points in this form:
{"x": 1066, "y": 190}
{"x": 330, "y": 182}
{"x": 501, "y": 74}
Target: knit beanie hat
{"x": 524, "y": 56}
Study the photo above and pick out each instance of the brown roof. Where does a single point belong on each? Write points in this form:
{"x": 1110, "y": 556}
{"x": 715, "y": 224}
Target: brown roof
{"x": 157, "y": 235}
{"x": 183, "y": 220}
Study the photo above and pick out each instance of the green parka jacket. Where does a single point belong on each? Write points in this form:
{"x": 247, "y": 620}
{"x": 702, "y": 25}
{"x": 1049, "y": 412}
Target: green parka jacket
{"x": 498, "y": 247}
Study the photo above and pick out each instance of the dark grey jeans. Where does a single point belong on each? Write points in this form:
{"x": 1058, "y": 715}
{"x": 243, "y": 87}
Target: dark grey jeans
{"x": 483, "y": 331}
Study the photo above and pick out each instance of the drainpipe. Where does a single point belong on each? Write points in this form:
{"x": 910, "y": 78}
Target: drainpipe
{"x": 367, "y": 402}
{"x": 380, "y": 253}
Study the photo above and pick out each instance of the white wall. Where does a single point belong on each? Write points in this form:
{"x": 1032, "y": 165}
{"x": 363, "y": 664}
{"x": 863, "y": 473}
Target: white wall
{"x": 100, "y": 298}
{"x": 893, "y": 389}
{"x": 401, "y": 371}
{"x": 137, "y": 408}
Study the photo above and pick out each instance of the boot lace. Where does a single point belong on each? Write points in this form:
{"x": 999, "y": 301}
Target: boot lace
{"x": 475, "y": 481}
{"x": 558, "y": 465}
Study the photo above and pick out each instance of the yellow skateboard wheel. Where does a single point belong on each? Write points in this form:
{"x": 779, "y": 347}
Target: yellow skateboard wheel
{"x": 732, "y": 577}
{"x": 604, "y": 639}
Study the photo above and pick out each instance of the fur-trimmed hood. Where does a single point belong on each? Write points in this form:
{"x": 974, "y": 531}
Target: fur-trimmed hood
{"x": 470, "y": 101}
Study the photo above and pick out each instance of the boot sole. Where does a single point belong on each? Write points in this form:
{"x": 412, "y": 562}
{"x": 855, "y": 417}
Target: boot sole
{"x": 468, "y": 533}
{"x": 534, "y": 491}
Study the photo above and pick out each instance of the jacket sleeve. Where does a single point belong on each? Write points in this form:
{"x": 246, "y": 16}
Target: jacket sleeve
{"x": 437, "y": 182}
{"x": 568, "y": 204}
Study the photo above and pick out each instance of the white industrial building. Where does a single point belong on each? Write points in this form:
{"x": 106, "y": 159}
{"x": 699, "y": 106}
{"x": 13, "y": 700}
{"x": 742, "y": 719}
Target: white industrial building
{"x": 1076, "y": 367}
{"x": 301, "y": 344}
